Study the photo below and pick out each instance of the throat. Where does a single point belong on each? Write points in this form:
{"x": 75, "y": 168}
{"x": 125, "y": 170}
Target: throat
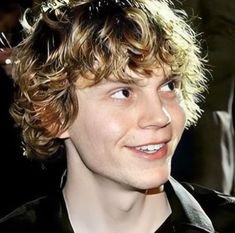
{"x": 130, "y": 212}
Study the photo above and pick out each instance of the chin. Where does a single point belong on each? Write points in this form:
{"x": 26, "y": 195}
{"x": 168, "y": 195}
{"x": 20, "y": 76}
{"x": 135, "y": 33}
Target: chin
{"x": 153, "y": 181}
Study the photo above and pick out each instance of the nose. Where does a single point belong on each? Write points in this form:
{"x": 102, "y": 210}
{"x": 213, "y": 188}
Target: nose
{"x": 153, "y": 113}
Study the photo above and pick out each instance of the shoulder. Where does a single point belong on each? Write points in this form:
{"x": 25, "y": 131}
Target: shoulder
{"x": 31, "y": 217}
{"x": 219, "y": 207}
{"x": 210, "y": 198}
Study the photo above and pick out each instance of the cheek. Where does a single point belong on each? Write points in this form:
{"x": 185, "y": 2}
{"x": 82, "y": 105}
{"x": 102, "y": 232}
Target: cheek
{"x": 102, "y": 128}
{"x": 180, "y": 124}
{"x": 181, "y": 115}
{"x": 178, "y": 118}
{"x": 113, "y": 126}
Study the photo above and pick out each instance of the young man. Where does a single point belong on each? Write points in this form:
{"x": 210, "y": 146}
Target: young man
{"x": 116, "y": 83}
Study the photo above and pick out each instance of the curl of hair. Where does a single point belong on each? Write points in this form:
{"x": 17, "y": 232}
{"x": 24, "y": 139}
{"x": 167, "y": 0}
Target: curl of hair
{"x": 90, "y": 40}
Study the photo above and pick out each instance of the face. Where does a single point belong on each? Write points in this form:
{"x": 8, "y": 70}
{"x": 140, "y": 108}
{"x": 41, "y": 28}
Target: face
{"x": 127, "y": 133}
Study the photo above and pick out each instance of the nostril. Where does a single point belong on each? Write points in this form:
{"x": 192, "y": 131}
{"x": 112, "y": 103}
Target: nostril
{"x": 155, "y": 118}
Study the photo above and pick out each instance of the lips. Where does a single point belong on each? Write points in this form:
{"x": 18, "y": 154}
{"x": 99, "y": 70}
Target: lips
{"x": 150, "y": 151}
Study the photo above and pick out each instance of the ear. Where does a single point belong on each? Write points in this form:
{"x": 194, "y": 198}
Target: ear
{"x": 64, "y": 135}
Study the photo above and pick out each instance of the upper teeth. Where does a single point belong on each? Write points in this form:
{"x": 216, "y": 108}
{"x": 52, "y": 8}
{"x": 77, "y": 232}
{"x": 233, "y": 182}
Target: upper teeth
{"x": 150, "y": 148}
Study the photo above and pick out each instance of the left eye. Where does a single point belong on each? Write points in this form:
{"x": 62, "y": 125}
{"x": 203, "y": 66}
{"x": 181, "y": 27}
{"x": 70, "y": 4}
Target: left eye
{"x": 121, "y": 94}
{"x": 168, "y": 86}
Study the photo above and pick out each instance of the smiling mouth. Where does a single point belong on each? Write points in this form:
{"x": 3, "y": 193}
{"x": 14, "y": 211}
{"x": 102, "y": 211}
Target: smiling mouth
{"x": 150, "y": 149}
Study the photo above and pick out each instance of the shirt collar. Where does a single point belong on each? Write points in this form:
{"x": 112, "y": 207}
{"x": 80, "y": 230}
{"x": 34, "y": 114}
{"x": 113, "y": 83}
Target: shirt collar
{"x": 186, "y": 212}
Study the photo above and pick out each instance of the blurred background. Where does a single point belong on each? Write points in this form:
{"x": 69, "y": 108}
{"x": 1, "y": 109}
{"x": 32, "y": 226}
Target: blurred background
{"x": 205, "y": 154}
{"x": 21, "y": 179}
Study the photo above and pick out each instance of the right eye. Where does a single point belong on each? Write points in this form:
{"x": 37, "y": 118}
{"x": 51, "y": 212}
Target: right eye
{"x": 123, "y": 93}
{"x": 169, "y": 86}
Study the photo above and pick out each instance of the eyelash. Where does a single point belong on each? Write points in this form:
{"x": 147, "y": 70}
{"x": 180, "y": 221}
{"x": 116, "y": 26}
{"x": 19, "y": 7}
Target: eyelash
{"x": 128, "y": 90}
{"x": 175, "y": 83}
{"x": 125, "y": 89}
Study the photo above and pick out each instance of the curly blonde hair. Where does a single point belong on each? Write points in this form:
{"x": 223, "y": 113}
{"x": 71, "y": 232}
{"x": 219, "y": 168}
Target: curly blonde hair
{"x": 69, "y": 40}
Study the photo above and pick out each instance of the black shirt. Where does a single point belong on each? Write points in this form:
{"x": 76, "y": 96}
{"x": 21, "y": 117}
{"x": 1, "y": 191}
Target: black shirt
{"x": 217, "y": 211}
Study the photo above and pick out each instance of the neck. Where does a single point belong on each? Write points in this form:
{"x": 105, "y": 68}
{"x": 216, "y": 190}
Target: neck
{"x": 96, "y": 204}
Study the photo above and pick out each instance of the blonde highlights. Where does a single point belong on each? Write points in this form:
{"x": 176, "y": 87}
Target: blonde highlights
{"x": 91, "y": 40}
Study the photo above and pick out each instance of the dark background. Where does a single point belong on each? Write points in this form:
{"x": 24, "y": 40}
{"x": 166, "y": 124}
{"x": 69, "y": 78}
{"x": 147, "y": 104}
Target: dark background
{"x": 22, "y": 180}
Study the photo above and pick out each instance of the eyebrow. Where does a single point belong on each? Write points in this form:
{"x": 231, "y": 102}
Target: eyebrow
{"x": 172, "y": 76}
{"x": 132, "y": 80}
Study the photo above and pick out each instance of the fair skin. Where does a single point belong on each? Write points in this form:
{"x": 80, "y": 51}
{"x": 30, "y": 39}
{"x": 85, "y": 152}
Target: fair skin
{"x": 119, "y": 152}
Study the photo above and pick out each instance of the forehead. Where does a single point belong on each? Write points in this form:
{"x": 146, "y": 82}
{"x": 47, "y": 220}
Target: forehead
{"x": 160, "y": 72}
{"x": 163, "y": 70}
{"x": 137, "y": 76}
